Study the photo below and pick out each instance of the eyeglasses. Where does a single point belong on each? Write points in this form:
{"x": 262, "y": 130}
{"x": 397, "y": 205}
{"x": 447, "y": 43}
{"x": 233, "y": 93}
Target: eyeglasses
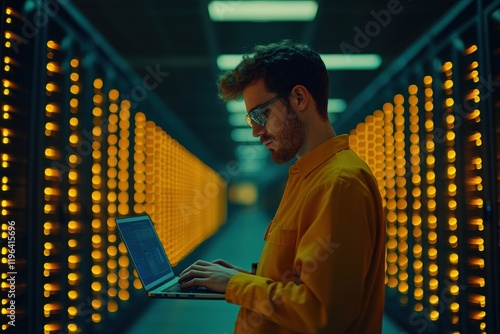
{"x": 259, "y": 114}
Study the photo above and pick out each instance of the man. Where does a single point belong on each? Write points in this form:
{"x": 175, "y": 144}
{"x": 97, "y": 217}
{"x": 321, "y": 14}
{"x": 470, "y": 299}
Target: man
{"x": 322, "y": 266}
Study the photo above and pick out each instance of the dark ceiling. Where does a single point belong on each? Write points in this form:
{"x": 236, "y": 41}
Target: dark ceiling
{"x": 178, "y": 37}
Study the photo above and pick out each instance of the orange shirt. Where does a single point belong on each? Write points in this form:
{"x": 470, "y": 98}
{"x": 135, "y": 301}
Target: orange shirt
{"x": 322, "y": 268}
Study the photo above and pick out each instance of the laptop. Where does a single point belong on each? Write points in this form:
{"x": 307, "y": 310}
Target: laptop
{"x": 151, "y": 261}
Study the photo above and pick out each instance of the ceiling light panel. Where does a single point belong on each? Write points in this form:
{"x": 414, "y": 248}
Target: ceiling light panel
{"x": 332, "y": 61}
{"x": 262, "y": 11}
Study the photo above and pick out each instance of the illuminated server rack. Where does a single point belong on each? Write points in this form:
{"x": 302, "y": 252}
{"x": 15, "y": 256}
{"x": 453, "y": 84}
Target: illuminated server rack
{"x": 433, "y": 143}
{"x": 76, "y": 150}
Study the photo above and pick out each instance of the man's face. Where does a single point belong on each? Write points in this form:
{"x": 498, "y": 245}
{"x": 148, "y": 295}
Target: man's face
{"x": 283, "y": 133}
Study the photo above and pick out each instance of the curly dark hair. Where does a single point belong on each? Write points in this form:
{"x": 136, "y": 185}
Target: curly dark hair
{"x": 282, "y": 65}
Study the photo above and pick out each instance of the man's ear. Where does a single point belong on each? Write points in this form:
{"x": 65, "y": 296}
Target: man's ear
{"x": 299, "y": 97}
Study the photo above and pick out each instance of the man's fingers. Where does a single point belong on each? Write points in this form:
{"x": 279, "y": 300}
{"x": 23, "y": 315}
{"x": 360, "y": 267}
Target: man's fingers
{"x": 195, "y": 273}
{"x": 197, "y": 264}
{"x": 192, "y": 283}
{"x": 222, "y": 263}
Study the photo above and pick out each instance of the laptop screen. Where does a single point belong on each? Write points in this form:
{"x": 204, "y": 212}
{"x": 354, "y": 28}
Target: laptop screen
{"x": 145, "y": 249}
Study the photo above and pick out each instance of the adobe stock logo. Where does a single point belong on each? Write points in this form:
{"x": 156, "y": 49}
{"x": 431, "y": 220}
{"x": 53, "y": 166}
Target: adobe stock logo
{"x": 373, "y": 28}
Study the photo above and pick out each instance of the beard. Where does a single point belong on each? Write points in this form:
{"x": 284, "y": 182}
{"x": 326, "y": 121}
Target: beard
{"x": 289, "y": 138}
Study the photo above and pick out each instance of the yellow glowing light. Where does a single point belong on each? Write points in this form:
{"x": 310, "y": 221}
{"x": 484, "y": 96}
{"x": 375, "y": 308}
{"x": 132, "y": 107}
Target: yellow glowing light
{"x": 53, "y": 67}
{"x": 96, "y": 303}
{"x": 96, "y": 239}
{"x": 72, "y": 311}
{"x": 96, "y": 270}
{"x": 74, "y": 89}
{"x": 51, "y": 108}
{"x": 112, "y": 306}
{"x": 434, "y": 315}
{"x": 96, "y": 254}
{"x": 73, "y": 159}
{"x": 52, "y": 327}
{"x": 72, "y": 327}
{"x": 72, "y": 294}
{"x": 96, "y": 286}
{"x": 98, "y": 83}
{"x": 447, "y": 66}
{"x": 73, "y": 103}
{"x": 455, "y": 307}
{"x": 470, "y": 49}
{"x": 50, "y": 87}
{"x": 123, "y": 295}
{"x": 74, "y": 259}
{"x": 434, "y": 300}
{"x": 52, "y": 45}
{"x": 113, "y": 94}
{"x": 73, "y": 139}
{"x": 454, "y": 274}
{"x": 74, "y": 123}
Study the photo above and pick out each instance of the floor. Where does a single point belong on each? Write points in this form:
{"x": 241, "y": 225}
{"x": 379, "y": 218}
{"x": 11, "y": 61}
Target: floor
{"x": 239, "y": 241}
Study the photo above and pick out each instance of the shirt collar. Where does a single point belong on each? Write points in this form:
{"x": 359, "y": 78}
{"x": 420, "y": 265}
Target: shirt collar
{"x": 309, "y": 162}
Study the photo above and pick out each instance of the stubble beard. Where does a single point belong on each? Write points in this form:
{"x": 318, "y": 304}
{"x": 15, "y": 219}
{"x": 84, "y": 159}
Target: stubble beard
{"x": 290, "y": 139}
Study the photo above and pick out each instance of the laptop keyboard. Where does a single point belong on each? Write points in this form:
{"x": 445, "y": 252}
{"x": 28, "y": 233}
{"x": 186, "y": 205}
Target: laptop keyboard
{"x": 177, "y": 287}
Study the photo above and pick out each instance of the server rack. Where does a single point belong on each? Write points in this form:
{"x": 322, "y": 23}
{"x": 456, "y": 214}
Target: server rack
{"x": 433, "y": 144}
{"x": 83, "y": 140}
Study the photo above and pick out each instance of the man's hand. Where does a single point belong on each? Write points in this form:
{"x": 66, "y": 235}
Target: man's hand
{"x": 231, "y": 266}
{"x": 210, "y": 275}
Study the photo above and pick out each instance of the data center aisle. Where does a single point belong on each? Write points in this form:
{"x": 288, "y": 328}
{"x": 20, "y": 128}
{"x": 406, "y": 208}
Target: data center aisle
{"x": 239, "y": 241}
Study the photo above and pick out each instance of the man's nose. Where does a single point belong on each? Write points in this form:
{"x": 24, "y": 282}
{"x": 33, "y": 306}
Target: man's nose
{"x": 257, "y": 130}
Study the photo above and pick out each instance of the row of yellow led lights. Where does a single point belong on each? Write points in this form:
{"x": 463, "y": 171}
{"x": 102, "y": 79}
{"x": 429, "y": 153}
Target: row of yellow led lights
{"x": 118, "y": 186}
{"x": 475, "y": 187}
{"x": 74, "y": 226}
{"x": 163, "y": 184}
{"x": 395, "y": 195}
{"x": 451, "y": 189}
{"x": 169, "y": 185}
{"x": 52, "y": 197}
{"x": 99, "y": 250}
{"x": 379, "y": 128}
{"x": 367, "y": 140}
{"x": 6, "y": 109}
{"x": 401, "y": 204}
{"x": 381, "y": 158}
{"x": 110, "y": 262}
{"x": 98, "y": 270}
{"x": 415, "y": 180}
{"x": 155, "y": 180}
{"x": 396, "y": 191}
{"x": 430, "y": 240}
{"x": 6, "y": 86}
{"x": 202, "y": 210}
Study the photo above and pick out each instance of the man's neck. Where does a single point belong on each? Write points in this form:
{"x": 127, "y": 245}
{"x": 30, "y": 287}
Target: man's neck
{"x": 315, "y": 135}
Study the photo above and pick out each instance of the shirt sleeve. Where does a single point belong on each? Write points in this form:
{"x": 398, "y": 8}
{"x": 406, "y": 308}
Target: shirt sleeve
{"x": 331, "y": 264}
